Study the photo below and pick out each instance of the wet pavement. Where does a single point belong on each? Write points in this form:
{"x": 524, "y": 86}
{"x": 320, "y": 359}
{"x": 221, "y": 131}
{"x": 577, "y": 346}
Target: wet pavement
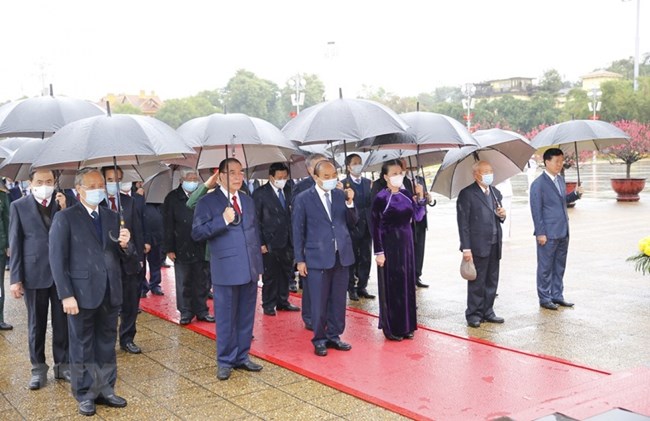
{"x": 175, "y": 377}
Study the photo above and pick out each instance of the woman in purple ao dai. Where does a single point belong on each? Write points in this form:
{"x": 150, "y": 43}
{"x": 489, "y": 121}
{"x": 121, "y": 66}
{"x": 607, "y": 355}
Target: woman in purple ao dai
{"x": 393, "y": 211}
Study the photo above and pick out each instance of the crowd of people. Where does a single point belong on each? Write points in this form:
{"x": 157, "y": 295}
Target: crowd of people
{"x": 81, "y": 255}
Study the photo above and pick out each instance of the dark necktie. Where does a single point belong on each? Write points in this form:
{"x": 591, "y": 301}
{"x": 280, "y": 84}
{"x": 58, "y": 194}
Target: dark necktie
{"x": 283, "y": 202}
{"x": 98, "y": 224}
{"x": 112, "y": 200}
{"x": 44, "y": 203}
{"x": 329, "y": 205}
{"x": 235, "y": 205}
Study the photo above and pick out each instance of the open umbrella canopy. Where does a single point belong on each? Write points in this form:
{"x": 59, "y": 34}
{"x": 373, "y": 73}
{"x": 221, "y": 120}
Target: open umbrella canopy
{"x": 42, "y": 116}
{"x": 378, "y": 157}
{"x": 13, "y": 143}
{"x": 437, "y": 130}
{"x": 18, "y": 164}
{"x": 97, "y": 141}
{"x": 343, "y": 119}
{"x": 456, "y": 173}
{"x": 513, "y": 145}
{"x": 580, "y": 135}
{"x": 252, "y": 140}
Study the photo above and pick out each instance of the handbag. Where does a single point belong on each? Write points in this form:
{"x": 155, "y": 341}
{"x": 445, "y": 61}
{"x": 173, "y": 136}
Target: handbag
{"x": 467, "y": 270}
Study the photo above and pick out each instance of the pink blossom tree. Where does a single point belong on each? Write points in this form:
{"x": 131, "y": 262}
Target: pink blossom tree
{"x": 636, "y": 149}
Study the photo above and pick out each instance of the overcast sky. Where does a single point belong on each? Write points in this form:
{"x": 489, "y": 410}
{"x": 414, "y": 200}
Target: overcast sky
{"x": 178, "y": 48}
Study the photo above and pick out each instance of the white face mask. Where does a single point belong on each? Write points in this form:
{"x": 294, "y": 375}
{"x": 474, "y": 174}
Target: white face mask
{"x": 42, "y": 192}
{"x": 111, "y": 188}
{"x": 125, "y": 187}
{"x": 396, "y": 180}
{"x": 279, "y": 184}
{"x": 356, "y": 169}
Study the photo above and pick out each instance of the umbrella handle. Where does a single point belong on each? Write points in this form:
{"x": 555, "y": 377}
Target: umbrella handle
{"x": 110, "y": 233}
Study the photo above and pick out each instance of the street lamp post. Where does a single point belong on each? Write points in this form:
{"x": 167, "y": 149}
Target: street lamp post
{"x": 594, "y": 105}
{"x": 468, "y": 90}
{"x": 297, "y": 83}
{"x": 636, "y": 45}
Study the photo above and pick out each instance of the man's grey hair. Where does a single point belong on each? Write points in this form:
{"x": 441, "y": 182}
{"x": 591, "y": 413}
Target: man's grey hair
{"x": 311, "y": 159}
{"x": 79, "y": 177}
{"x": 187, "y": 171}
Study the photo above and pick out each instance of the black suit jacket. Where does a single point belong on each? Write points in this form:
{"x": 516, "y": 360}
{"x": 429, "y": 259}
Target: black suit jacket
{"x": 29, "y": 243}
{"x": 177, "y": 218}
{"x": 301, "y": 186}
{"x": 133, "y": 222}
{"x": 273, "y": 220}
{"x": 363, "y": 205}
{"x": 475, "y": 214}
{"x": 84, "y": 266}
{"x": 153, "y": 224}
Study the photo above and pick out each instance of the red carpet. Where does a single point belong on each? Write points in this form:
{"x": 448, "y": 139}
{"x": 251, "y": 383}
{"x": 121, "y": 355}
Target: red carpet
{"x": 436, "y": 376}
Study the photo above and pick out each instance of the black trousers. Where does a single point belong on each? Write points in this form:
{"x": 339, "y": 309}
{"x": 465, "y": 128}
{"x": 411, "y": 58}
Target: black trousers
{"x": 278, "y": 269}
{"x": 419, "y": 238}
{"x": 38, "y": 302}
{"x": 154, "y": 259}
{"x": 192, "y": 288}
{"x": 93, "y": 363}
{"x": 483, "y": 290}
{"x": 130, "y": 305}
{"x": 362, "y": 262}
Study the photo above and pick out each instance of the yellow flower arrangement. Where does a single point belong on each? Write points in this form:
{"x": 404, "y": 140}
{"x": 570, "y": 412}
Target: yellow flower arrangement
{"x": 642, "y": 260}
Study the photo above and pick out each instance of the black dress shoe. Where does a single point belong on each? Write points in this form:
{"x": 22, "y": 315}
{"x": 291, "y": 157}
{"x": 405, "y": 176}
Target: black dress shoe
{"x": 473, "y": 323}
{"x": 249, "y": 366}
{"x": 365, "y": 294}
{"x": 131, "y": 348}
{"x": 563, "y": 303}
{"x": 157, "y": 291}
{"x": 393, "y": 338}
{"x": 309, "y": 327}
{"x": 421, "y": 284}
{"x": 223, "y": 373}
{"x": 143, "y": 294}
{"x": 288, "y": 307}
{"x": 37, "y": 381}
{"x": 210, "y": 295}
{"x": 320, "y": 350}
{"x": 338, "y": 345}
{"x": 409, "y": 335}
{"x": 293, "y": 288}
{"x": 549, "y": 306}
{"x": 206, "y": 318}
{"x": 87, "y": 408}
{"x": 113, "y": 401}
{"x": 353, "y": 295}
{"x": 494, "y": 319}
{"x": 5, "y": 326}
{"x": 185, "y": 321}
{"x": 269, "y": 312}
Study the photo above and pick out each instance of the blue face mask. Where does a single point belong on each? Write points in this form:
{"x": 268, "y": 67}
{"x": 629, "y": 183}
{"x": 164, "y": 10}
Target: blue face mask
{"x": 94, "y": 197}
{"x": 329, "y": 185}
{"x": 190, "y": 186}
{"x": 488, "y": 179}
{"x": 111, "y": 188}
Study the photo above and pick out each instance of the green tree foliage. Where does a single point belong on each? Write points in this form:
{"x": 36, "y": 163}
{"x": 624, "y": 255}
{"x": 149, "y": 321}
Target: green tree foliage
{"x": 576, "y": 106}
{"x": 175, "y": 112}
{"x": 246, "y": 93}
{"x": 125, "y": 109}
{"x": 551, "y": 82}
{"x": 620, "y": 102}
{"x": 625, "y": 67}
{"x": 394, "y": 102}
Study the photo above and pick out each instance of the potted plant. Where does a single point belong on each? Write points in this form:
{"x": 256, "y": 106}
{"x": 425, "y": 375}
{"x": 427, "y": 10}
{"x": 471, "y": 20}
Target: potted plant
{"x": 628, "y": 188}
{"x": 642, "y": 260}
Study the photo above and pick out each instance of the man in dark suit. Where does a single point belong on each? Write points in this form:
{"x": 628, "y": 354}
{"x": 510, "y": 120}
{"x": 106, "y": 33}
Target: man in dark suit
{"x": 305, "y": 184}
{"x": 227, "y": 220}
{"x": 322, "y": 217}
{"x": 132, "y": 214}
{"x": 479, "y": 215}
{"x": 31, "y": 277}
{"x": 154, "y": 234}
{"x": 4, "y": 248}
{"x": 548, "y": 205}
{"x": 188, "y": 255}
{"x": 272, "y": 208}
{"x": 419, "y": 227}
{"x": 87, "y": 268}
{"x": 361, "y": 237}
